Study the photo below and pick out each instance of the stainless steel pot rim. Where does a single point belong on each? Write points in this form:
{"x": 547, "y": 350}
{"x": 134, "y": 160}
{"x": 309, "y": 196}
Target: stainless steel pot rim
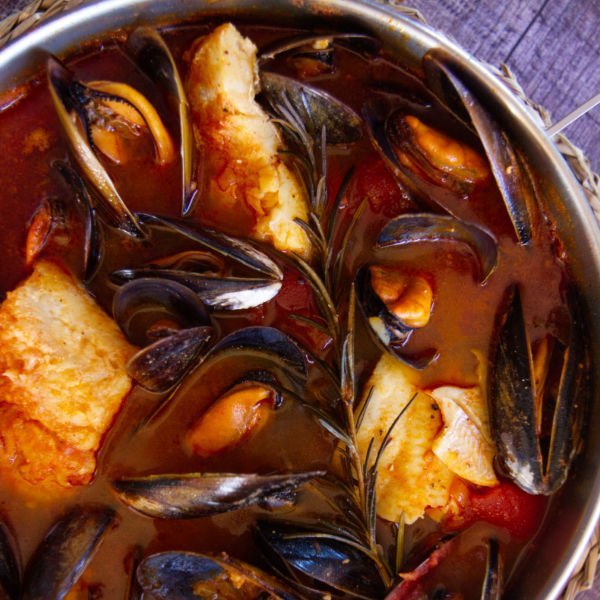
{"x": 64, "y": 30}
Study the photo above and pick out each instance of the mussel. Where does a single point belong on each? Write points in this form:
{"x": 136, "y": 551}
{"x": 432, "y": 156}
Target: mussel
{"x": 359, "y": 43}
{"x": 395, "y": 303}
{"x": 49, "y": 217}
{"x": 189, "y": 576}
{"x": 515, "y": 182}
{"x": 195, "y": 495}
{"x": 85, "y": 113}
{"x": 170, "y": 322}
{"x": 153, "y": 57}
{"x": 319, "y": 562}
{"x": 93, "y": 237}
{"x": 424, "y": 150}
{"x": 536, "y": 420}
{"x": 314, "y": 55}
{"x": 427, "y": 185}
{"x": 59, "y": 223}
{"x": 241, "y": 411}
{"x": 310, "y": 110}
{"x": 424, "y": 227}
{"x": 110, "y": 118}
{"x": 208, "y": 274}
{"x": 65, "y": 552}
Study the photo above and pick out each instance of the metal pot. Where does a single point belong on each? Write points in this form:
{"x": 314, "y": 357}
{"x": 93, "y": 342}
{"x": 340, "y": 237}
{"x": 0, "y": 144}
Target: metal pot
{"x": 574, "y": 513}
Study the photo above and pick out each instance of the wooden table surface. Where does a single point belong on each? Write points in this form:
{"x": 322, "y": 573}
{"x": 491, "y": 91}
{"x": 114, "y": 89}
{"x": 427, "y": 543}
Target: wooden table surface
{"x": 552, "y": 46}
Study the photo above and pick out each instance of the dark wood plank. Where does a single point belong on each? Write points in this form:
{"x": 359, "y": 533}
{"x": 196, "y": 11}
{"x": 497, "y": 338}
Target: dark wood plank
{"x": 487, "y": 28}
{"x": 558, "y": 63}
{"x": 551, "y": 45}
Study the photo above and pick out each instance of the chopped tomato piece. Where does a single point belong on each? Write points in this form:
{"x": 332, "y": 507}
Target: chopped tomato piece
{"x": 506, "y": 506}
{"x": 373, "y": 181}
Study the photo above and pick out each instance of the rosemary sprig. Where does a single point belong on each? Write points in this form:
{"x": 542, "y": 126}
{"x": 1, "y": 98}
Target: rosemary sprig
{"x": 310, "y": 156}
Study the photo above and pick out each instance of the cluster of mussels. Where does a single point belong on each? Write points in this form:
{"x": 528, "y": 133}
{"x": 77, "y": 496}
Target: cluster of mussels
{"x": 166, "y": 306}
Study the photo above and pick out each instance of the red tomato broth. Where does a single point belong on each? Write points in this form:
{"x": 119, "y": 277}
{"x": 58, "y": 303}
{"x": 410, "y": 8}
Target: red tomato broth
{"x": 293, "y": 441}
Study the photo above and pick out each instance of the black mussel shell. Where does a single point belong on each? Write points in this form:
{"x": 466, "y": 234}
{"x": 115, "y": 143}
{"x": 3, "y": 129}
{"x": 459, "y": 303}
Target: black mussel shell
{"x": 195, "y": 495}
{"x": 65, "y": 552}
{"x": 237, "y": 250}
{"x": 220, "y": 293}
{"x": 393, "y": 334}
{"x": 141, "y": 304}
{"x": 323, "y": 557}
{"x": 494, "y": 572}
{"x": 376, "y": 113}
{"x": 275, "y": 346}
{"x": 93, "y": 240}
{"x": 314, "y": 108}
{"x": 65, "y": 92}
{"x": 267, "y": 348}
{"x": 537, "y": 466}
{"x": 443, "y": 76}
{"x": 401, "y": 139}
{"x": 160, "y": 366}
{"x": 152, "y": 56}
{"x": 425, "y": 227}
{"x": 372, "y": 306}
{"x": 360, "y": 43}
{"x": 189, "y": 576}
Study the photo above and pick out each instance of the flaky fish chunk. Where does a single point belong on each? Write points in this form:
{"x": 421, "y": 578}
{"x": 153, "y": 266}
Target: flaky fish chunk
{"x": 62, "y": 377}
{"x": 411, "y": 478}
{"x": 443, "y": 435}
{"x": 465, "y": 443}
{"x": 247, "y": 183}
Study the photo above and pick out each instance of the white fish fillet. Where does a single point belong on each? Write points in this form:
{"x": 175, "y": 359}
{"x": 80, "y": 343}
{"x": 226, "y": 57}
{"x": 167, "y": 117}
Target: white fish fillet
{"x": 411, "y": 477}
{"x": 442, "y": 435}
{"x": 239, "y": 144}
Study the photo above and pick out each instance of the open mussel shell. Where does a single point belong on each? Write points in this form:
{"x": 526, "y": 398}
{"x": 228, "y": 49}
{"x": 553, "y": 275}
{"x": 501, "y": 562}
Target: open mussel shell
{"x": 240, "y": 251}
{"x": 172, "y": 324}
{"x": 404, "y": 132}
{"x": 66, "y": 551}
{"x": 538, "y": 466}
{"x": 314, "y": 108}
{"x": 139, "y": 305}
{"x": 63, "y": 90}
{"x": 425, "y": 227}
{"x": 321, "y": 557}
{"x": 266, "y": 348}
{"x": 274, "y": 345}
{"x": 160, "y": 366}
{"x": 389, "y": 331}
{"x": 220, "y": 293}
{"x": 195, "y": 495}
{"x": 190, "y": 576}
{"x": 442, "y": 75}
{"x": 152, "y": 56}
{"x": 379, "y": 114}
